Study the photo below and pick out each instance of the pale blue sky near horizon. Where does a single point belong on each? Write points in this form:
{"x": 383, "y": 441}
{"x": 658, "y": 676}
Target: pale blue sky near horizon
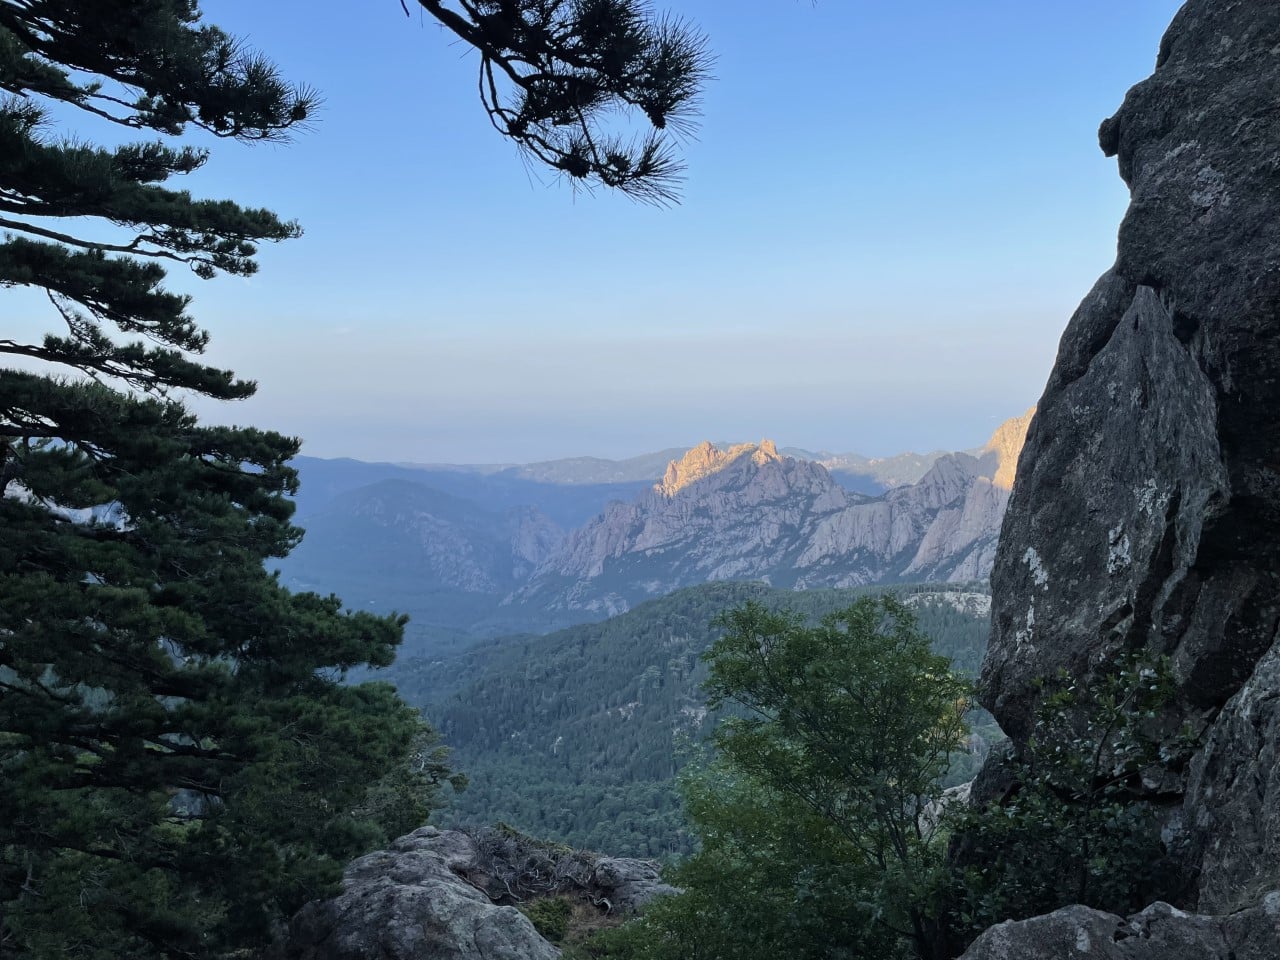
{"x": 889, "y": 214}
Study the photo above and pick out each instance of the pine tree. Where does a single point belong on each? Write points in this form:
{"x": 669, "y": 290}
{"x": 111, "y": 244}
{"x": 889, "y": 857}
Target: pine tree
{"x": 180, "y": 765}
{"x": 555, "y": 74}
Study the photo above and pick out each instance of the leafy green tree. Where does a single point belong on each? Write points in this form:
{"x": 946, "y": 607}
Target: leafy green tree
{"x": 818, "y": 835}
{"x": 180, "y": 765}
{"x": 856, "y": 719}
{"x": 554, "y": 73}
{"x": 772, "y": 878}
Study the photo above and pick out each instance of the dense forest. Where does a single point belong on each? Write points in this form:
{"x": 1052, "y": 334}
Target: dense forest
{"x": 578, "y": 735}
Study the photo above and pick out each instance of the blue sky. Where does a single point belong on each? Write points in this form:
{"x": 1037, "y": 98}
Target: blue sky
{"x": 891, "y": 210}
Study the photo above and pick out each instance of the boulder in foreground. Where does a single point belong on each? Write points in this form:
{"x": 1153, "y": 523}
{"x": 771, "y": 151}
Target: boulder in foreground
{"x": 1160, "y": 932}
{"x": 448, "y": 895}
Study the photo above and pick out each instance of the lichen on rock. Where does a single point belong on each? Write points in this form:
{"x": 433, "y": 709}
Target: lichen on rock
{"x": 447, "y": 895}
{"x": 1146, "y": 511}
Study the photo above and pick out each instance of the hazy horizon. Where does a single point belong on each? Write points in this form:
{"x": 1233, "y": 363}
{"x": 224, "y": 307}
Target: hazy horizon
{"x": 685, "y": 444}
{"x": 880, "y": 240}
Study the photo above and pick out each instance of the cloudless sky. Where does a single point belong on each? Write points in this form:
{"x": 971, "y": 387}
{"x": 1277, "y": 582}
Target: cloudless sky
{"x": 891, "y": 210}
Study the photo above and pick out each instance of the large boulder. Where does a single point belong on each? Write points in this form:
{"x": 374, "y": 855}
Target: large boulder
{"x": 1146, "y": 510}
{"x": 410, "y": 902}
{"x": 447, "y": 895}
{"x": 1160, "y": 932}
{"x": 1147, "y": 503}
{"x": 626, "y": 884}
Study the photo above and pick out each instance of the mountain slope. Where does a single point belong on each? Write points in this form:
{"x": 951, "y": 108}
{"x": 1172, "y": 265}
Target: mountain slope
{"x": 577, "y": 735}
{"x": 750, "y": 513}
{"x": 569, "y": 502}
{"x": 401, "y": 545}
{"x": 481, "y": 551}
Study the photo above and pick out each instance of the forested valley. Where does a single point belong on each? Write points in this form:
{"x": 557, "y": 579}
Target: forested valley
{"x": 578, "y": 736}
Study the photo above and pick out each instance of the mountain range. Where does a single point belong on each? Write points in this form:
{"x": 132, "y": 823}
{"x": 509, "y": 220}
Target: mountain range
{"x": 484, "y": 550}
{"x": 751, "y": 513}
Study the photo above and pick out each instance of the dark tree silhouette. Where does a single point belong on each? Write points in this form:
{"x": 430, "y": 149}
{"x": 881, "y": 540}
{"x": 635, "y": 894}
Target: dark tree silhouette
{"x": 557, "y": 76}
{"x": 180, "y": 767}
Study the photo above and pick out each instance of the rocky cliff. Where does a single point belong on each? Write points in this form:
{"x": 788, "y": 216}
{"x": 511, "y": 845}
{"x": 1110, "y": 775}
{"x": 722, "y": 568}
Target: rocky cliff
{"x": 1146, "y": 511}
{"x": 749, "y": 513}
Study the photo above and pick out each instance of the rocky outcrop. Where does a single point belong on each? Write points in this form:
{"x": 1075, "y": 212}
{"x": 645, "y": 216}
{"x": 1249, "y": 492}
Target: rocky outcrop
{"x": 1005, "y": 446}
{"x": 706, "y": 459}
{"x": 1160, "y": 932}
{"x": 447, "y": 895}
{"x": 411, "y": 902}
{"x": 749, "y": 513}
{"x": 534, "y": 538}
{"x": 1146, "y": 511}
{"x": 1231, "y": 813}
{"x": 627, "y": 884}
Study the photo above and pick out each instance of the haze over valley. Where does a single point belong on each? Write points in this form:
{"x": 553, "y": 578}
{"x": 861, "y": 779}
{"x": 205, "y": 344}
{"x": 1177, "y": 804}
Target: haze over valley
{"x": 484, "y": 550}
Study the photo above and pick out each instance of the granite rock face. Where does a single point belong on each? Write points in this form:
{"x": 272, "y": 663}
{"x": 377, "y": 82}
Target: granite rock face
{"x": 410, "y": 902}
{"x": 446, "y": 895}
{"x": 1231, "y": 812}
{"x": 1160, "y": 932}
{"x": 1146, "y": 511}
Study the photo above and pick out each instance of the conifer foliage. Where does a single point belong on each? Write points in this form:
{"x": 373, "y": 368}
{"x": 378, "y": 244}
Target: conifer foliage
{"x": 556, "y": 74}
{"x": 179, "y": 765}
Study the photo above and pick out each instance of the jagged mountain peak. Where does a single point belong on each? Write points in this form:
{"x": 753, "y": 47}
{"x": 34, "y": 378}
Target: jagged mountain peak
{"x": 748, "y": 512}
{"x": 706, "y": 458}
{"x": 1006, "y": 445}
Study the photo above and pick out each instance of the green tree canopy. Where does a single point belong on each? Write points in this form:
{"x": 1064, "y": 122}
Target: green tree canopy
{"x": 180, "y": 766}
{"x": 819, "y": 838}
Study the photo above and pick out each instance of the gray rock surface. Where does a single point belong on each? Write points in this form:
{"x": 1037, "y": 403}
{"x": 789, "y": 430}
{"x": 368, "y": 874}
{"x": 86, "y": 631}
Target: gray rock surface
{"x": 410, "y": 902}
{"x": 1148, "y": 499}
{"x": 1146, "y": 511}
{"x": 446, "y": 895}
{"x": 1160, "y": 932}
{"x": 1232, "y": 806}
{"x": 628, "y": 884}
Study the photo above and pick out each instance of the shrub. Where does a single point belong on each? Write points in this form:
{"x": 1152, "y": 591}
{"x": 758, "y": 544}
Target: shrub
{"x": 1081, "y": 825}
{"x": 550, "y": 916}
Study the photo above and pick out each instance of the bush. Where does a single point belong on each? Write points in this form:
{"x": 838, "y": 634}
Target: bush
{"x": 550, "y": 917}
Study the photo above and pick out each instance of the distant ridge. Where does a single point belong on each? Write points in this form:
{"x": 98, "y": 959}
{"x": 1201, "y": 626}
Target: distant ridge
{"x": 480, "y": 551}
{"x": 751, "y": 513}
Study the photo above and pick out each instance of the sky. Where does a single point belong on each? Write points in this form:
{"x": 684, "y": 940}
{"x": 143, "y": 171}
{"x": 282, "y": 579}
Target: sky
{"x": 891, "y": 210}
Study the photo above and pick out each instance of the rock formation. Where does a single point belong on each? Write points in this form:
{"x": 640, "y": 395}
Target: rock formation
{"x": 447, "y": 895}
{"x": 706, "y": 459}
{"x": 1005, "y": 446}
{"x": 749, "y": 513}
{"x": 411, "y": 902}
{"x": 1146, "y": 512}
{"x": 1160, "y": 932}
